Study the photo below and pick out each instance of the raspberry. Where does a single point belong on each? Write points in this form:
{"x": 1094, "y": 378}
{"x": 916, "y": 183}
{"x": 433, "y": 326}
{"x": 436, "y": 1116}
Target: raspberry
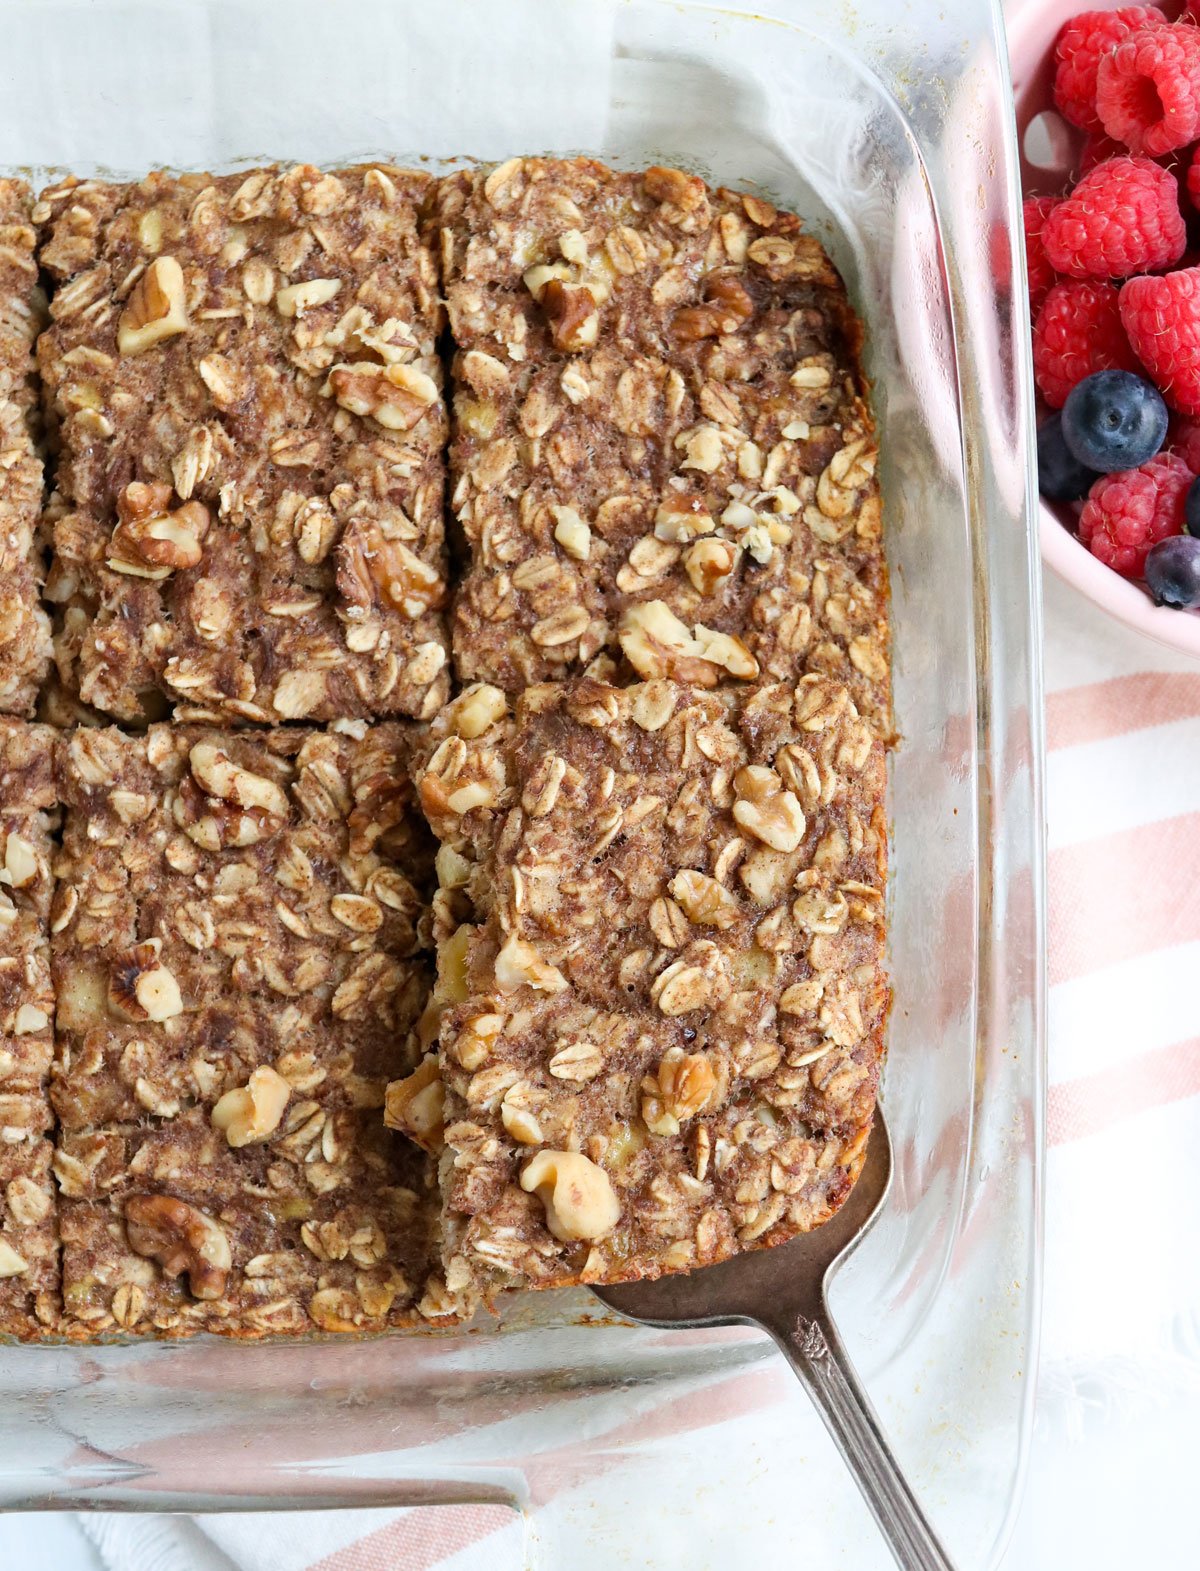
{"x": 1097, "y": 149}
{"x": 1079, "y": 47}
{"x": 1078, "y": 331}
{"x": 1035, "y": 210}
{"x": 1162, "y": 318}
{"x": 1148, "y": 89}
{"x": 1184, "y": 438}
{"x": 1127, "y": 513}
{"x": 1193, "y": 178}
{"x": 1123, "y": 217}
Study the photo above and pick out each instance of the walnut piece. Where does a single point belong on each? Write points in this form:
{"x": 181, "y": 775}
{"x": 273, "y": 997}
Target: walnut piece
{"x": 416, "y": 1105}
{"x": 396, "y": 397}
{"x": 475, "y": 709}
{"x": 217, "y": 774}
{"x": 21, "y": 866}
{"x": 150, "y": 541}
{"x": 578, "y": 1196}
{"x": 657, "y": 644}
{"x": 728, "y": 307}
{"x": 372, "y": 568}
{"x": 156, "y": 309}
{"x": 181, "y": 1239}
{"x": 11, "y": 1263}
{"x": 766, "y": 810}
{"x": 140, "y": 988}
{"x": 677, "y": 1091}
{"x": 571, "y": 312}
{"x": 519, "y": 964}
{"x": 252, "y": 1112}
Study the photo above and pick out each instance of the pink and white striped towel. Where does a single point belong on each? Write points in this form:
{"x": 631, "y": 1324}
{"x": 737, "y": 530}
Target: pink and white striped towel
{"x": 1115, "y": 1439}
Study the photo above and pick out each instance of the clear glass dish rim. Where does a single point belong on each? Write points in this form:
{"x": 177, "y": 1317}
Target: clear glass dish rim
{"x": 989, "y": 563}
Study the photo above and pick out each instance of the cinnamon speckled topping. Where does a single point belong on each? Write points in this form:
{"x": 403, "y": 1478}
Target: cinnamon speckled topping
{"x": 661, "y": 454}
{"x": 24, "y": 626}
{"x": 242, "y": 374}
{"x": 662, "y": 1028}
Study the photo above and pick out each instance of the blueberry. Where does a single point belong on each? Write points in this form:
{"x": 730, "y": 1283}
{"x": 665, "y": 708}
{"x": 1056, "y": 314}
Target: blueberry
{"x": 1061, "y": 476}
{"x": 1114, "y": 420}
{"x": 1173, "y": 572}
{"x": 1191, "y": 515}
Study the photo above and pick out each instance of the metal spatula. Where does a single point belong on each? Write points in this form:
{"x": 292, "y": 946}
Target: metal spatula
{"x": 783, "y": 1291}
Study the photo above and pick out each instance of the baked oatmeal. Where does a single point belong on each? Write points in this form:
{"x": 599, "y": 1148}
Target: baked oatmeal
{"x": 662, "y": 453}
{"x": 242, "y": 379}
{"x": 28, "y": 1236}
{"x": 663, "y": 1040}
{"x": 239, "y": 951}
{"x": 24, "y": 626}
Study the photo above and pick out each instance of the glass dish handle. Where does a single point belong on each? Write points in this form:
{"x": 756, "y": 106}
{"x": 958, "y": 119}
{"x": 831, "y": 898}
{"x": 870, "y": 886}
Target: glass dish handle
{"x": 817, "y": 1355}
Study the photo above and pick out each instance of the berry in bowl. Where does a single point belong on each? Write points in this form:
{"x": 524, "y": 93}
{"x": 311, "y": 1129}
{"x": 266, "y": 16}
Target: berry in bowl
{"x": 1108, "y": 114}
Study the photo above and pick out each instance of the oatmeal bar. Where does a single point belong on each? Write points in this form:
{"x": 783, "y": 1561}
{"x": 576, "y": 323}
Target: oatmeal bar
{"x": 24, "y": 627}
{"x": 239, "y": 961}
{"x": 242, "y": 375}
{"x": 661, "y": 445}
{"x": 663, "y": 1042}
{"x": 28, "y": 1240}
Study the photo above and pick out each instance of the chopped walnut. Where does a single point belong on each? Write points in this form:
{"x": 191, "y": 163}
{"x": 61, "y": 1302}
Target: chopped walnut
{"x": 519, "y": 965}
{"x": 152, "y": 542}
{"x": 578, "y": 1196}
{"x": 182, "y": 1239}
{"x": 677, "y": 1091}
{"x": 140, "y": 987}
{"x": 571, "y": 312}
{"x": 416, "y": 1105}
{"x": 218, "y": 775}
{"x": 252, "y": 1112}
{"x": 766, "y": 810}
{"x": 396, "y": 397}
{"x": 728, "y": 307}
{"x": 373, "y": 569}
{"x": 156, "y": 309}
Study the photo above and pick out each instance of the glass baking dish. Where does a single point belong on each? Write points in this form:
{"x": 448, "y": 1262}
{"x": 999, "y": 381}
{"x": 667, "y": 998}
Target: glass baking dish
{"x": 887, "y": 124}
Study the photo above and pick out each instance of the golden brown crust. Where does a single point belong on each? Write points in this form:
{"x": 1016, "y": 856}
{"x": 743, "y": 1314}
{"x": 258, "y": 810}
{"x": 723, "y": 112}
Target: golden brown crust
{"x": 676, "y": 974}
{"x": 693, "y": 447}
{"x": 243, "y": 377}
{"x": 24, "y": 626}
{"x": 239, "y": 956}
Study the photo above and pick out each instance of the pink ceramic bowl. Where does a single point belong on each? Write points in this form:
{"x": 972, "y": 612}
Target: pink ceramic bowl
{"x": 1048, "y": 146}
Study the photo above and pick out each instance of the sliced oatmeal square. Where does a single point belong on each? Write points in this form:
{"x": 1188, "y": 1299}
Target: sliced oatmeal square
{"x": 239, "y": 952}
{"x": 24, "y": 626}
{"x": 242, "y": 378}
{"x": 28, "y": 1240}
{"x": 662, "y": 453}
{"x": 662, "y": 1015}
{"x": 30, "y": 1298}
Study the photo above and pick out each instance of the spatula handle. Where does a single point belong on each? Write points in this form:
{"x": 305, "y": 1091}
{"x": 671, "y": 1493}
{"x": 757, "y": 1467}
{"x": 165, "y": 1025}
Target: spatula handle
{"x": 816, "y": 1353}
